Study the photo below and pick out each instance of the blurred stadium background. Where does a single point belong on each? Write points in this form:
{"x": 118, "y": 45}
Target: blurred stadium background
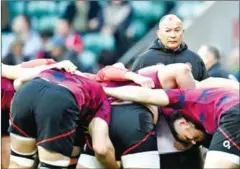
{"x": 96, "y": 33}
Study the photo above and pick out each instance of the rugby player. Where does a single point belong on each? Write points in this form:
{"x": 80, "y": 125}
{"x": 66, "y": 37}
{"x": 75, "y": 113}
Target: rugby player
{"x": 58, "y": 107}
{"x": 214, "y": 111}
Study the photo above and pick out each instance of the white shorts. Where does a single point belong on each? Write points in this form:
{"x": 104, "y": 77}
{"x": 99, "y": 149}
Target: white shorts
{"x": 89, "y": 161}
{"x": 148, "y": 159}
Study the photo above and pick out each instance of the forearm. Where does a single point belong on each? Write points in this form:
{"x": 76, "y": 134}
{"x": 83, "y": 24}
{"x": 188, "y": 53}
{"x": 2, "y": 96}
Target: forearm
{"x": 27, "y": 74}
{"x": 132, "y": 76}
{"x": 149, "y": 69}
{"x": 11, "y": 72}
{"x": 16, "y": 71}
{"x": 102, "y": 144}
{"x": 138, "y": 94}
{"x": 214, "y": 82}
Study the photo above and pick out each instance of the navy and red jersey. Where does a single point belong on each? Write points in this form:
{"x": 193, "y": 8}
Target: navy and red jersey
{"x": 37, "y": 62}
{"x": 90, "y": 97}
{"x": 111, "y": 76}
{"x": 203, "y": 106}
{"x": 7, "y": 93}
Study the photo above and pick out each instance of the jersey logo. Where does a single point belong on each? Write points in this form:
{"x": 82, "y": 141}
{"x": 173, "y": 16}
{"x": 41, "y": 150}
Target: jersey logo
{"x": 226, "y": 144}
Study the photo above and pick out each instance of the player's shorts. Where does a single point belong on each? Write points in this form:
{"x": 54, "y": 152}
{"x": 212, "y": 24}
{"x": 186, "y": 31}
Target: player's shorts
{"x": 132, "y": 130}
{"x": 132, "y": 133}
{"x": 227, "y": 137}
{"x": 49, "y": 113}
{"x": 4, "y": 122}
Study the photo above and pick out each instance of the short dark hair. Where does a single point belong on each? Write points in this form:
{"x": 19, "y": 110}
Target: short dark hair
{"x": 215, "y": 51}
{"x": 176, "y": 116}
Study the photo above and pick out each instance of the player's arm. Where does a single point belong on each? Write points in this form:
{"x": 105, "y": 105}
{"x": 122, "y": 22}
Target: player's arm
{"x": 37, "y": 62}
{"x": 99, "y": 132}
{"x": 27, "y": 74}
{"x": 156, "y": 97}
{"x": 113, "y": 73}
{"x": 148, "y": 69}
{"x": 213, "y": 82}
{"x": 13, "y": 72}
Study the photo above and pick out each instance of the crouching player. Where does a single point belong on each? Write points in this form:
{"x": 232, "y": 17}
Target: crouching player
{"x": 57, "y": 109}
{"x": 213, "y": 111}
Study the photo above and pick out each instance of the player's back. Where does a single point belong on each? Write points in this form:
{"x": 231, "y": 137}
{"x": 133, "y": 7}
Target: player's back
{"x": 87, "y": 92}
{"x": 205, "y": 106}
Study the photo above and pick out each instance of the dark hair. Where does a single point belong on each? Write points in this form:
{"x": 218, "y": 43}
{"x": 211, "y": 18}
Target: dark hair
{"x": 175, "y": 116}
{"x": 178, "y": 115}
{"x": 214, "y": 51}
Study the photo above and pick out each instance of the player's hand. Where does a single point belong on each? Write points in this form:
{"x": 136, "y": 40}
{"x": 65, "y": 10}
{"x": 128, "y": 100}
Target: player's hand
{"x": 144, "y": 82}
{"x": 67, "y": 65}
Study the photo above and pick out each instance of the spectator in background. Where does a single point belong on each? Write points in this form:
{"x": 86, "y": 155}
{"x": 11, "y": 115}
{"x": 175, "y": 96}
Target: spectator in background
{"x": 82, "y": 15}
{"x": 114, "y": 19}
{"x": 63, "y": 28}
{"x": 15, "y": 55}
{"x": 46, "y": 36}
{"x": 211, "y": 57}
{"x": 234, "y": 63}
{"x": 22, "y": 30}
{"x": 75, "y": 47}
{"x": 54, "y": 49}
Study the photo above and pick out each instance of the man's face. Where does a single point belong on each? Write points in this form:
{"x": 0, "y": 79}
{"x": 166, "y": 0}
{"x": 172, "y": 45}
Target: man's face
{"x": 187, "y": 133}
{"x": 203, "y": 53}
{"x": 62, "y": 28}
{"x": 19, "y": 25}
{"x": 171, "y": 33}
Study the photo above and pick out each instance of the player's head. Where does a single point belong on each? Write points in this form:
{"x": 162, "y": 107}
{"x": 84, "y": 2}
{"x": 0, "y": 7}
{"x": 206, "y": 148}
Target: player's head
{"x": 170, "y": 31}
{"x": 185, "y": 131}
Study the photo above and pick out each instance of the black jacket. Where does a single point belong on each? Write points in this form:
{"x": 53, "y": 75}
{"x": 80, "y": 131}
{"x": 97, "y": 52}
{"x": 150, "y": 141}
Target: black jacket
{"x": 217, "y": 71}
{"x": 159, "y": 54}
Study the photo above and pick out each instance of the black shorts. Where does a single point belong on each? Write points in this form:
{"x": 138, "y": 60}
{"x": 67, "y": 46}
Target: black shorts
{"x": 227, "y": 136}
{"x": 132, "y": 130}
{"x": 49, "y": 113}
{"x": 4, "y": 122}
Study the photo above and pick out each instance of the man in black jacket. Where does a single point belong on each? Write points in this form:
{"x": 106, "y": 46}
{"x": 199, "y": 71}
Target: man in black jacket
{"x": 168, "y": 48}
{"x": 211, "y": 56}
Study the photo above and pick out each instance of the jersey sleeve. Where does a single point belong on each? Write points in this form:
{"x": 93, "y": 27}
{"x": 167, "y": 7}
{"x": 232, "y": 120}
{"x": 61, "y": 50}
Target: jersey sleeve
{"x": 37, "y": 62}
{"x": 7, "y": 92}
{"x": 104, "y": 110}
{"x": 176, "y": 98}
{"x": 111, "y": 73}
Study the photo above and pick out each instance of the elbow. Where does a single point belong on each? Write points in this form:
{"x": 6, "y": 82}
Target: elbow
{"x": 101, "y": 151}
{"x": 183, "y": 68}
{"x": 17, "y": 84}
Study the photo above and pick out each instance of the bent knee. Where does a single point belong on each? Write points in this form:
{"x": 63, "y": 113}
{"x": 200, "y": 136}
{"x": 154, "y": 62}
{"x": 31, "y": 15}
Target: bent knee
{"x": 23, "y": 145}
